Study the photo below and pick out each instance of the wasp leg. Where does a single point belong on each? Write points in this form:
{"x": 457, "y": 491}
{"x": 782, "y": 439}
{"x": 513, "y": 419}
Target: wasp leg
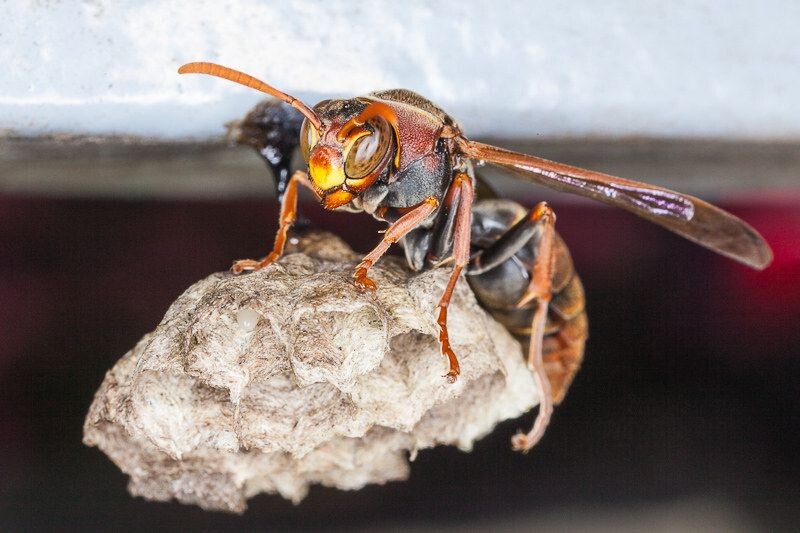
{"x": 540, "y": 291}
{"x": 287, "y": 219}
{"x": 460, "y": 194}
{"x": 396, "y": 231}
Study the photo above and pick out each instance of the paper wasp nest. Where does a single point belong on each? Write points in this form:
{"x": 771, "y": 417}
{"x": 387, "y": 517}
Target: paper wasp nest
{"x": 272, "y": 381}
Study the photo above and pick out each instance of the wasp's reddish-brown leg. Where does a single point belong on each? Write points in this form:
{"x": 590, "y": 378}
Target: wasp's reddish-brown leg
{"x": 540, "y": 290}
{"x": 396, "y": 231}
{"x": 460, "y": 194}
{"x": 287, "y": 220}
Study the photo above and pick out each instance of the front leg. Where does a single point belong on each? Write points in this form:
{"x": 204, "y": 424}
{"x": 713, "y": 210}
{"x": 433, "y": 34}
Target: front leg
{"x": 287, "y": 219}
{"x": 396, "y": 231}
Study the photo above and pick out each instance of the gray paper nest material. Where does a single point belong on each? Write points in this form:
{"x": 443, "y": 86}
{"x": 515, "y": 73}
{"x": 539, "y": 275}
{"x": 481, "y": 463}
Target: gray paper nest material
{"x": 272, "y": 381}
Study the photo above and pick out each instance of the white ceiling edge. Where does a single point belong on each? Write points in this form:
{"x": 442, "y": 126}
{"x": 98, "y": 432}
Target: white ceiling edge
{"x": 716, "y": 69}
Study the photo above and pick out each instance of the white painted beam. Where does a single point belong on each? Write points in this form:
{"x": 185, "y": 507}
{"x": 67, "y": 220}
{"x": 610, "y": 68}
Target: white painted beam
{"x": 715, "y": 68}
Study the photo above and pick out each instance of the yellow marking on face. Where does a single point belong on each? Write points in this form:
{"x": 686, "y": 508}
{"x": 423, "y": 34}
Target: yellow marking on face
{"x": 326, "y": 169}
{"x": 326, "y": 177}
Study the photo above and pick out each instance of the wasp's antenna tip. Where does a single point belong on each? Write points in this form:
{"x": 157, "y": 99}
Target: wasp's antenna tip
{"x": 187, "y": 68}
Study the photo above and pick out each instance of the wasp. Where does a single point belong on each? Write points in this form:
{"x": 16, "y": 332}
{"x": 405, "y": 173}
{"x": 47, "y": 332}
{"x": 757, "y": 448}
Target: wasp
{"x": 400, "y": 158}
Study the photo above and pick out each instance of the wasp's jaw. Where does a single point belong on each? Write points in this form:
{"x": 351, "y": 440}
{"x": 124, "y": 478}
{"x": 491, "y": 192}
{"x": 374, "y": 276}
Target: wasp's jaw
{"x": 336, "y": 198}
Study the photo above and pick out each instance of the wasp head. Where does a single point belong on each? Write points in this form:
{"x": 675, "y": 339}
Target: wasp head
{"x": 356, "y": 143}
{"x": 348, "y": 144}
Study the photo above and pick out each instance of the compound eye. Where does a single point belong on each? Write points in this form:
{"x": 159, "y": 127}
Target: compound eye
{"x": 308, "y": 138}
{"x": 369, "y": 150}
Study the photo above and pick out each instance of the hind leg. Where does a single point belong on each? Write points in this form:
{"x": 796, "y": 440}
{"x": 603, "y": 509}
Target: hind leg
{"x": 539, "y": 291}
{"x": 537, "y": 227}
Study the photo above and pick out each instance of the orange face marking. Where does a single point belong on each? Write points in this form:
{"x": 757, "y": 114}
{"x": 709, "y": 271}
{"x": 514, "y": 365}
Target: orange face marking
{"x": 336, "y": 199}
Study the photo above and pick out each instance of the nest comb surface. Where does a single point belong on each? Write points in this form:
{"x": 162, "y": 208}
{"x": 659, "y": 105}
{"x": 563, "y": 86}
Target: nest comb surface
{"x": 290, "y": 376}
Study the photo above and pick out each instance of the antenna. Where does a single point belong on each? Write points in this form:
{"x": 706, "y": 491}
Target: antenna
{"x": 212, "y": 69}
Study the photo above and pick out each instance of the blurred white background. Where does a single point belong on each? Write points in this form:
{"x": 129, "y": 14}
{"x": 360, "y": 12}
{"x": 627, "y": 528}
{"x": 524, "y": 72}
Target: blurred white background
{"x": 716, "y": 68}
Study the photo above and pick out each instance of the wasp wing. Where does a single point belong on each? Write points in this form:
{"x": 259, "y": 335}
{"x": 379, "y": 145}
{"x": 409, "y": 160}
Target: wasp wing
{"x": 685, "y": 215}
